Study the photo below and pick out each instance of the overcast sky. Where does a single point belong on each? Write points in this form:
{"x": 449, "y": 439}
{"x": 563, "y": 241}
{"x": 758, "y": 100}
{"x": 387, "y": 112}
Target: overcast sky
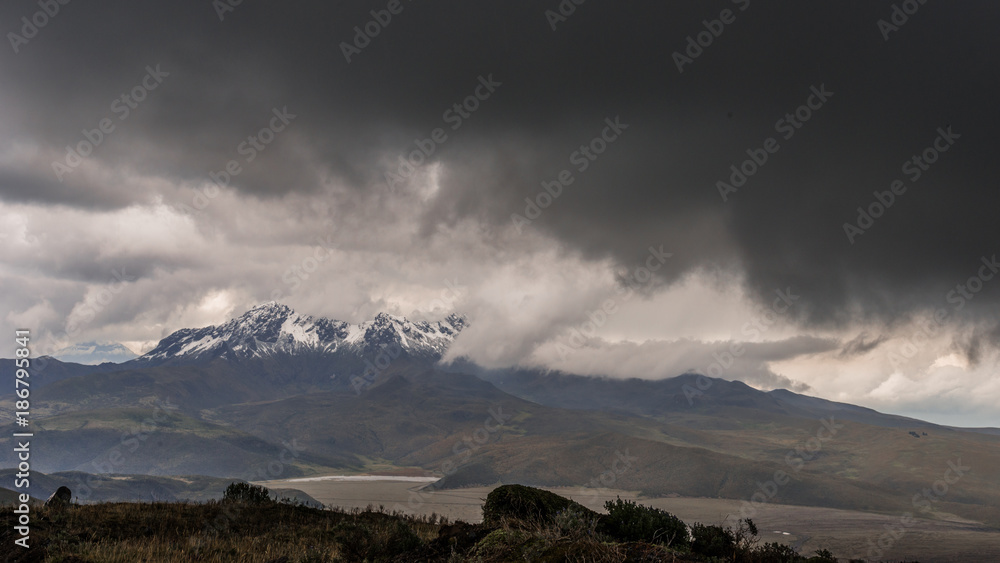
{"x": 669, "y": 231}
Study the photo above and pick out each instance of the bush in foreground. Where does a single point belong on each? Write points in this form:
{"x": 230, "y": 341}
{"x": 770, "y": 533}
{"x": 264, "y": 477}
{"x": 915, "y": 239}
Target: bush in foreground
{"x": 375, "y": 539}
{"x": 712, "y": 541}
{"x": 236, "y": 529}
{"x": 245, "y": 493}
{"x": 628, "y": 521}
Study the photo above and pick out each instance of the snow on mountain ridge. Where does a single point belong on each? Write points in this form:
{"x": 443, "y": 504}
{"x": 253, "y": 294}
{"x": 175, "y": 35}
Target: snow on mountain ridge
{"x": 94, "y": 353}
{"x": 273, "y": 327}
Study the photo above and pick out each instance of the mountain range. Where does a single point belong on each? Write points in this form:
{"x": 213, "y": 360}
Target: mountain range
{"x": 275, "y": 394}
{"x": 94, "y": 353}
{"x": 275, "y": 329}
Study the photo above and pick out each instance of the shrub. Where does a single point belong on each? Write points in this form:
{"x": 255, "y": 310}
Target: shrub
{"x": 500, "y": 542}
{"x": 377, "y": 540}
{"x": 246, "y": 493}
{"x": 628, "y": 521}
{"x": 712, "y": 541}
{"x": 823, "y": 556}
{"x": 774, "y": 552}
{"x": 732, "y": 544}
{"x": 576, "y": 524}
{"x": 354, "y": 540}
{"x": 528, "y": 504}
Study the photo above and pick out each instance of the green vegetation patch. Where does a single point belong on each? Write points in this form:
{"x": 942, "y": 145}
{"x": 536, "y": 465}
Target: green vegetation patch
{"x": 526, "y": 504}
{"x": 628, "y": 521}
{"x": 249, "y": 526}
{"x": 500, "y": 541}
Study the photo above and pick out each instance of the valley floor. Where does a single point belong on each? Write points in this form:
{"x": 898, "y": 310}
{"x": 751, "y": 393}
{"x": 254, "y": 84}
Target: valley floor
{"x": 862, "y": 535}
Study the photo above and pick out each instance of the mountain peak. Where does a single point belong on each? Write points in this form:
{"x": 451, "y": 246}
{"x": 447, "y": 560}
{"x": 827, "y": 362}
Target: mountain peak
{"x": 268, "y": 305}
{"x": 272, "y": 327}
{"x": 269, "y": 308}
{"x": 95, "y": 353}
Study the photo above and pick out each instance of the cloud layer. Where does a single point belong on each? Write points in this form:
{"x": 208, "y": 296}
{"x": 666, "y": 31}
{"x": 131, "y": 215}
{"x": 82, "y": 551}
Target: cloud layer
{"x": 377, "y": 183}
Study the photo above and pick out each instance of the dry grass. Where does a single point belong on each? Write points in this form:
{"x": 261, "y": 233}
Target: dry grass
{"x": 284, "y": 533}
{"x": 216, "y": 531}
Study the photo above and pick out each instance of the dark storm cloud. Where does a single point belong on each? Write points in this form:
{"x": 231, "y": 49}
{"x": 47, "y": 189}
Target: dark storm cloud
{"x": 861, "y": 345}
{"x": 24, "y": 187}
{"x": 974, "y": 344}
{"x": 654, "y": 185}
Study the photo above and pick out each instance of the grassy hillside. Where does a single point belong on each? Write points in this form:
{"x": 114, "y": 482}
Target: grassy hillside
{"x": 48, "y": 370}
{"x": 196, "y": 386}
{"x": 156, "y": 441}
{"x": 8, "y": 496}
{"x": 732, "y": 442}
{"x": 431, "y": 420}
{"x": 521, "y": 524}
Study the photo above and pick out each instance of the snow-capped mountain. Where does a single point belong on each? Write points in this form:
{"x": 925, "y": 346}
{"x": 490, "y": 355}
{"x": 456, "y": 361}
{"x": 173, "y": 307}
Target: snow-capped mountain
{"x": 95, "y": 353}
{"x": 273, "y": 328}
